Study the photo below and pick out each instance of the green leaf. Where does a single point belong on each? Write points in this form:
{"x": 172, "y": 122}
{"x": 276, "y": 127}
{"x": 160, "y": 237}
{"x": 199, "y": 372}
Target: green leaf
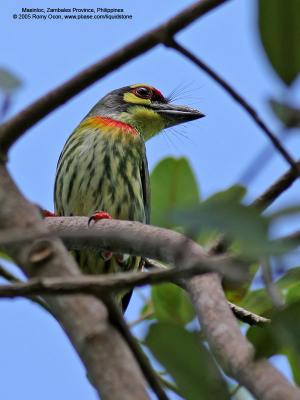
{"x": 280, "y": 32}
{"x": 293, "y": 293}
{"x": 234, "y": 193}
{"x": 291, "y": 277}
{"x": 188, "y": 361}
{"x": 281, "y": 336}
{"x": 171, "y": 304}
{"x": 288, "y": 115}
{"x": 224, "y": 212}
{"x": 294, "y": 361}
{"x": 259, "y": 302}
{"x": 264, "y": 341}
{"x": 8, "y": 81}
{"x": 173, "y": 185}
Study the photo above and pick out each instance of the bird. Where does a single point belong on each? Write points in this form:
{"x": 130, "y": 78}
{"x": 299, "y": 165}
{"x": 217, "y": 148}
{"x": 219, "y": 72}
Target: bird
{"x": 102, "y": 171}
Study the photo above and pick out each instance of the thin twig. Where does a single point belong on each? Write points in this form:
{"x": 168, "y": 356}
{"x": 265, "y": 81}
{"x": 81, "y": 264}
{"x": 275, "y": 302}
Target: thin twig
{"x": 276, "y": 189}
{"x": 17, "y": 125}
{"x": 292, "y": 238}
{"x": 238, "y": 98}
{"x": 240, "y": 313}
{"x": 133, "y": 233}
{"x": 8, "y": 275}
{"x": 35, "y": 299}
{"x": 247, "y": 316}
{"x": 94, "y": 284}
{"x": 90, "y": 284}
{"x": 118, "y": 320}
{"x": 262, "y": 202}
{"x": 142, "y": 318}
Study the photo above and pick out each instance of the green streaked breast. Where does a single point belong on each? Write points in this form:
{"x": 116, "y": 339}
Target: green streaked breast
{"x": 107, "y": 172}
{"x": 101, "y": 172}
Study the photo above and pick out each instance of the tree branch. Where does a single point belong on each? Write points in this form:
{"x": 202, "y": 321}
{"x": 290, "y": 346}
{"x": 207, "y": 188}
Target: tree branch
{"x": 99, "y": 285}
{"x": 170, "y": 42}
{"x": 116, "y": 316}
{"x": 11, "y": 130}
{"x": 247, "y": 316}
{"x": 276, "y": 189}
{"x": 4, "y": 273}
{"x": 262, "y": 202}
{"x": 240, "y": 313}
{"x": 118, "y": 320}
{"x": 84, "y": 318}
{"x": 129, "y": 237}
{"x": 234, "y": 353}
{"x": 105, "y": 285}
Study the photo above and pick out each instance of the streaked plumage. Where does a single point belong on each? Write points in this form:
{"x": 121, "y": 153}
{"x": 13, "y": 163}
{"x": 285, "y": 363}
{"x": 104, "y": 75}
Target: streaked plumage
{"x": 103, "y": 165}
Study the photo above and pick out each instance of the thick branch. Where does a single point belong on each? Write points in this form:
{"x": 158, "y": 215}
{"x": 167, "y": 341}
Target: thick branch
{"x": 230, "y": 347}
{"x": 104, "y": 285}
{"x": 15, "y": 127}
{"x": 84, "y": 318}
{"x": 145, "y": 240}
{"x": 131, "y": 238}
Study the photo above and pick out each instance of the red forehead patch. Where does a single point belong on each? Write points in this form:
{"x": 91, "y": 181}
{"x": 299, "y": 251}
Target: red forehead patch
{"x": 157, "y": 92}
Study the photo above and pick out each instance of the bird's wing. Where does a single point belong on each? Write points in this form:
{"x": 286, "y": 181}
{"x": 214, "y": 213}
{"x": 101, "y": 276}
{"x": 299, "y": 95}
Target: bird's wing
{"x": 146, "y": 187}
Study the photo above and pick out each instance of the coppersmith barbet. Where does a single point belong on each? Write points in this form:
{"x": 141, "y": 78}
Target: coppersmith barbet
{"x": 102, "y": 170}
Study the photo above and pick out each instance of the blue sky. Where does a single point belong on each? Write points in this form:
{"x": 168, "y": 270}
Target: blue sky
{"x": 36, "y": 358}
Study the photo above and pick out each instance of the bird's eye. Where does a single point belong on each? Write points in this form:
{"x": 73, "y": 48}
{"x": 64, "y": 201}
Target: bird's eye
{"x": 143, "y": 92}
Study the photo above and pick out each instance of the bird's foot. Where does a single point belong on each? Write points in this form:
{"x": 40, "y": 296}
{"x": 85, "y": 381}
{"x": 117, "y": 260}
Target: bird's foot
{"x": 46, "y": 213}
{"x": 97, "y": 216}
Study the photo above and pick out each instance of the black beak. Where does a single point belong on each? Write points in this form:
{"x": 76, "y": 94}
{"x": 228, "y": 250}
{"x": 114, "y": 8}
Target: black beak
{"x": 175, "y": 115}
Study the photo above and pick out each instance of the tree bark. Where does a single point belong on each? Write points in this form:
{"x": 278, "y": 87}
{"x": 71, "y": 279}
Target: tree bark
{"x": 110, "y": 365}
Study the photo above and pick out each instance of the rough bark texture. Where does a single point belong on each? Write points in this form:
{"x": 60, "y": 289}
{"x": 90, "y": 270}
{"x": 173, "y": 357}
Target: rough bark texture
{"x": 110, "y": 365}
{"x": 230, "y": 347}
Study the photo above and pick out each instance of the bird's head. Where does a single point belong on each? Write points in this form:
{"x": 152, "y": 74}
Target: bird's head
{"x": 145, "y": 108}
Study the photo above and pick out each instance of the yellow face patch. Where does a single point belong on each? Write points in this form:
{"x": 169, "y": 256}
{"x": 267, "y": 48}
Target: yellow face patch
{"x": 132, "y": 98}
{"x": 147, "y": 121}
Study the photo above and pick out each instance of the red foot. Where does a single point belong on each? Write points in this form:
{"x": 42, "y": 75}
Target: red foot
{"x": 46, "y": 213}
{"x": 98, "y": 215}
